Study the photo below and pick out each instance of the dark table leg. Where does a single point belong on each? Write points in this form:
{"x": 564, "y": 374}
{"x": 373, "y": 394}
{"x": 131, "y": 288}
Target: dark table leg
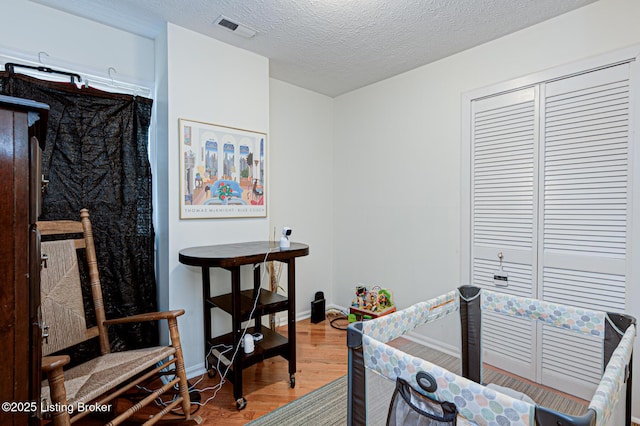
{"x": 291, "y": 329}
{"x": 236, "y": 318}
{"x": 256, "y": 293}
{"x": 206, "y": 295}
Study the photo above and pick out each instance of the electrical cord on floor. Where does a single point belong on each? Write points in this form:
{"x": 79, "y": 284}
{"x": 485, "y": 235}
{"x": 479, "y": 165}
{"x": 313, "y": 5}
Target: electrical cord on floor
{"x": 160, "y": 402}
{"x": 340, "y": 321}
{"x": 220, "y": 351}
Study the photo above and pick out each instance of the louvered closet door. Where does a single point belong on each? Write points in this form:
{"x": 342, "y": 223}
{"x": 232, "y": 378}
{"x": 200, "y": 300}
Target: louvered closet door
{"x": 504, "y": 217}
{"x": 583, "y": 233}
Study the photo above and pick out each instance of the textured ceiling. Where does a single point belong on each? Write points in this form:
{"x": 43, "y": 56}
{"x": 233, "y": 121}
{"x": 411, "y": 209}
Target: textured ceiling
{"x": 333, "y": 46}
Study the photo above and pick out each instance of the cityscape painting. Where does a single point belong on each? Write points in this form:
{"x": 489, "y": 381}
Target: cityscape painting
{"x": 222, "y": 171}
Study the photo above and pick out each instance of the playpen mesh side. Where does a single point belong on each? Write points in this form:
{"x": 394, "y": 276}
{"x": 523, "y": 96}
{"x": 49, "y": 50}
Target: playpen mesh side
{"x": 578, "y": 320}
{"x": 610, "y": 387}
{"x": 475, "y": 402}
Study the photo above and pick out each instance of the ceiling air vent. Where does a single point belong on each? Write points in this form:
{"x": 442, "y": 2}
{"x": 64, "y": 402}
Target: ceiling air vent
{"x": 236, "y": 28}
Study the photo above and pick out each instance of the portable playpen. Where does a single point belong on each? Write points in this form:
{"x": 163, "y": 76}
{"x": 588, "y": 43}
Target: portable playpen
{"x": 374, "y": 366}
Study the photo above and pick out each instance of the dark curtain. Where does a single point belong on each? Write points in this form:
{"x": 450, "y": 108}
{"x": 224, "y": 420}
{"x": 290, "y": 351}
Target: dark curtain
{"x": 95, "y": 157}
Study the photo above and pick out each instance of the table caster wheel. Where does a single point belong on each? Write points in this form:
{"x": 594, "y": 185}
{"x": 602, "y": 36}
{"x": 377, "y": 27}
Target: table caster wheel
{"x": 241, "y": 403}
{"x": 292, "y": 381}
{"x": 212, "y": 373}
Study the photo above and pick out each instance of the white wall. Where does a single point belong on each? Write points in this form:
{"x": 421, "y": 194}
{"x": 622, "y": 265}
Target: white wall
{"x": 398, "y": 155}
{"x": 211, "y": 82}
{"x": 301, "y": 164}
{"x": 224, "y": 85}
{"x": 30, "y": 28}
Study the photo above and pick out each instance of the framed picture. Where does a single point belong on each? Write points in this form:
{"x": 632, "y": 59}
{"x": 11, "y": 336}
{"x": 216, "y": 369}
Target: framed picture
{"x": 222, "y": 171}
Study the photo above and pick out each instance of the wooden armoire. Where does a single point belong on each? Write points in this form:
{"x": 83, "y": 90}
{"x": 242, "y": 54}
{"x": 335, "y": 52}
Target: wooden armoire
{"x": 22, "y": 135}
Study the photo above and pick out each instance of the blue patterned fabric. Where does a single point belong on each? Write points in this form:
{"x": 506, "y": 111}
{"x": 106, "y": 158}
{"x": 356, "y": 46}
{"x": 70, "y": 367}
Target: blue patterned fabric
{"x": 607, "y": 394}
{"x": 562, "y": 316}
{"x": 396, "y": 324}
{"x": 476, "y": 403}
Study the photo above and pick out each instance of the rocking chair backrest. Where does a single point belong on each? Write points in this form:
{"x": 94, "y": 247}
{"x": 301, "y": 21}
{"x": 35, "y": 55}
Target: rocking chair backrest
{"x": 61, "y": 288}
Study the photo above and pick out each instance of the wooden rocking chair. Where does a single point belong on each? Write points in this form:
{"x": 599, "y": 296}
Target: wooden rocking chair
{"x": 99, "y": 382}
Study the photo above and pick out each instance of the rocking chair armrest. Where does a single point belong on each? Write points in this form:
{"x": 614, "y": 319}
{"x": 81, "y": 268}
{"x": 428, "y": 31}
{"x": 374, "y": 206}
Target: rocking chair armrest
{"x": 150, "y": 316}
{"x": 50, "y": 363}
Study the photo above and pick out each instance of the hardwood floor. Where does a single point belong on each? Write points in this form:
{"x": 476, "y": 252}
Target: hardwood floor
{"x": 321, "y": 358}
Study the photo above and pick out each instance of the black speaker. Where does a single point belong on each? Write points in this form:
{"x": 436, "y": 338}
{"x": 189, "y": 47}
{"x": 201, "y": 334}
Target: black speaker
{"x": 318, "y": 308}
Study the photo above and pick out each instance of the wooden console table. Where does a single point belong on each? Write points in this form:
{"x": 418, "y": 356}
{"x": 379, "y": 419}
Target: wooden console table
{"x": 239, "y": 304}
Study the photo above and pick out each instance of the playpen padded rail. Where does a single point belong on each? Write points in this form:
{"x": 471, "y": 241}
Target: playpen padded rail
{"x": 477, "y": 403}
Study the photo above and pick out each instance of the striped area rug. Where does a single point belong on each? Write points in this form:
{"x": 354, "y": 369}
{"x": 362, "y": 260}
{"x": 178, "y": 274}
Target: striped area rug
{"x": 326, "y": 406}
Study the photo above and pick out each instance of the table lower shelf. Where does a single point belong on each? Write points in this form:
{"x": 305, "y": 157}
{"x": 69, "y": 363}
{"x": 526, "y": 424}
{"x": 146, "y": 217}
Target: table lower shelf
{"x": 272, "y": 344}
{"x": 268, "y": 303}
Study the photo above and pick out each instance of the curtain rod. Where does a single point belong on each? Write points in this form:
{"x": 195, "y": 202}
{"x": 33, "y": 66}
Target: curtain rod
{"x": 91, "y": 78}
{"x": 9, "y": 66}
